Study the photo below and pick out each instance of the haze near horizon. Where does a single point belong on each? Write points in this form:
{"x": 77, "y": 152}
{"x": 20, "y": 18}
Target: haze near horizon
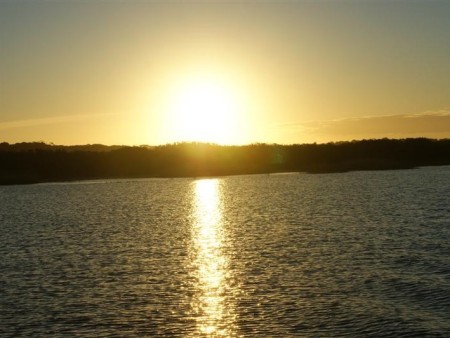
{"x": 228, "y": 72}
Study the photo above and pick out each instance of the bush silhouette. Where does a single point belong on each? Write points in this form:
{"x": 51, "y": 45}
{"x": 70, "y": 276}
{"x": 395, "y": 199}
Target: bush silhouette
{"x": 40, "y": 162}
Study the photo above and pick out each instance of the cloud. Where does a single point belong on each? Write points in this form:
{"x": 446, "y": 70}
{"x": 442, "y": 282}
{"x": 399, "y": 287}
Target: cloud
{"x": 434, "y": 124}
{"x": 16, "y": 124}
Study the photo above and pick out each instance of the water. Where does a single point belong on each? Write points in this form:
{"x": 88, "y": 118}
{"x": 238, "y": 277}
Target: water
{"x": 354, "y": 254}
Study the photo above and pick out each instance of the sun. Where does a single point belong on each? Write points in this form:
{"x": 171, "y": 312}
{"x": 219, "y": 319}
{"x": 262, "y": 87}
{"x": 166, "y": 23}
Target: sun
{"x": 205, "y": 109}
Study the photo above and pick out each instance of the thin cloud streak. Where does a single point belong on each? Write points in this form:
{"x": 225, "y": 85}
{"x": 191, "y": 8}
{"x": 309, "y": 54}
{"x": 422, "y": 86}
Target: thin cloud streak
{"x": 49, "y": 120}
{"x": 434, "y": 124}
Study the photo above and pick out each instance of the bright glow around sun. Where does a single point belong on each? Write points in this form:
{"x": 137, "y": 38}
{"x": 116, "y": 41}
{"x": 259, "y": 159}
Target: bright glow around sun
{"x": 205, "y": 109}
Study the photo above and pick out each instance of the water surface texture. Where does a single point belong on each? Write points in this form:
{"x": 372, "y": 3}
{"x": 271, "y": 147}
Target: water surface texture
{"x": 354, "y": 254}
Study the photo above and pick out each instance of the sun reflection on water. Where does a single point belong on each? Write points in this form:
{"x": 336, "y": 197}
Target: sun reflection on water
{"x": 213, "y": 312}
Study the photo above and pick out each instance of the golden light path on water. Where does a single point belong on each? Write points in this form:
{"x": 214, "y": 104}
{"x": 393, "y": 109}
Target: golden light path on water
{"x": 213, "y": 312}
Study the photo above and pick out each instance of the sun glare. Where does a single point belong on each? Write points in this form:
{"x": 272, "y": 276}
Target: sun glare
{"x": 205, "y": 109}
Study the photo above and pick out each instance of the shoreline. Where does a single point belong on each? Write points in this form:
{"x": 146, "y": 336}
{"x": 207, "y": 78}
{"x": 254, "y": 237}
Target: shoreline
{"x": 83, "y": 180}
{"x": 23, "y": 164}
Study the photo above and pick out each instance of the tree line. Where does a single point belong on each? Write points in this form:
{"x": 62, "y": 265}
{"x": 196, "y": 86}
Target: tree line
{"x": 39, "y": 162}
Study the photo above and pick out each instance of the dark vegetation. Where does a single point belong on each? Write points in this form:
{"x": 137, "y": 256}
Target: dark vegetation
{"x": 39, "y": 162}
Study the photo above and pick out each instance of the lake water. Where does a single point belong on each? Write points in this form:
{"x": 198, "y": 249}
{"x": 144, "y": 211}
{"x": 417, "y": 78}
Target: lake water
{"x": 354, "y": 254}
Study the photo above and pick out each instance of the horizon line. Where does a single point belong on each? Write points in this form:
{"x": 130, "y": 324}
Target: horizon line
{"x": 51, "y": 144}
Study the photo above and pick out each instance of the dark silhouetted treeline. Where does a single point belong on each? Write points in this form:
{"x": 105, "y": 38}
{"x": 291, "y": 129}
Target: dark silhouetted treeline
{"x": 24, "y": 146}
{"x": 40, "y": 162}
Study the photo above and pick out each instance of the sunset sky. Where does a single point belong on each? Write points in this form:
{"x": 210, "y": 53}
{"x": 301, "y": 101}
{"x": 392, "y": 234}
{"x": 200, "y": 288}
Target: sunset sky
{"x": 231, "y": 72}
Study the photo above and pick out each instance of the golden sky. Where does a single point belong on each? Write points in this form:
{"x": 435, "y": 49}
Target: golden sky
{"x": 154, "y": 72}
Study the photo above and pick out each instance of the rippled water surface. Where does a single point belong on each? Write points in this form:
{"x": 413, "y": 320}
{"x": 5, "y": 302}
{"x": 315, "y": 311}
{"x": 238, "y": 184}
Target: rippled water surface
{"x": 354, "y": 254}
